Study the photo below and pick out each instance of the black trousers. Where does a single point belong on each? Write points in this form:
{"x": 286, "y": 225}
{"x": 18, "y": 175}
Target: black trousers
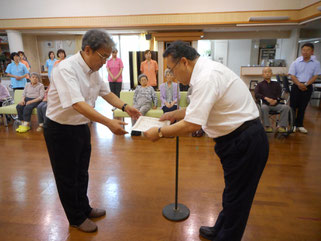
{"x": 299, "y": 101}
{"x": 243, "y": 155}
{"x": 69, "y": 150}
{"x": 115, "y": 87}
{"x": 166, "y": 109}
{"x": 25, "y": 111}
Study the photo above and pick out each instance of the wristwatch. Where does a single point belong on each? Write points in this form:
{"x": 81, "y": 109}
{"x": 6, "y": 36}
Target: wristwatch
{"x": 160, "y": 134}
{"x": 123, "y": 108}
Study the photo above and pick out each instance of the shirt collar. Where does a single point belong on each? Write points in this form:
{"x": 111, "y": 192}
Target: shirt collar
{"x": 301, "y": 59}
{"x": 83, "y": 64}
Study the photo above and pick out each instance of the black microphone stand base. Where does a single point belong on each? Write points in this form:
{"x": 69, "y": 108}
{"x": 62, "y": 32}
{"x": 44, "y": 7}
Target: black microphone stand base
{"x": 173, "y": 214}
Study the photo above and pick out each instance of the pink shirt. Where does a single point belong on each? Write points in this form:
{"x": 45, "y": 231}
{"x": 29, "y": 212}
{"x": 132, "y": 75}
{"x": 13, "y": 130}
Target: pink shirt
{"x": 150, "y": 69}
{"x": 115, "y": 65}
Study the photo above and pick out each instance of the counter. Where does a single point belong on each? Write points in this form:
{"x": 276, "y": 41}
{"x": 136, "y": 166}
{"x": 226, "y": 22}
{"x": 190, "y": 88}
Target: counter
{"x": 249, "y": 73}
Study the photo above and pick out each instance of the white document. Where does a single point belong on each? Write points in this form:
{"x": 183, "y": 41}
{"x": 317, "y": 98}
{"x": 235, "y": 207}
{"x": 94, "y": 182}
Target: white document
{"x": 144, "y": 123}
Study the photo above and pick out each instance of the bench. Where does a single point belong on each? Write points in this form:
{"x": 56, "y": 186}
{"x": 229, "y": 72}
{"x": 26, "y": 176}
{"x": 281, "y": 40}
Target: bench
{"x": 11, "y": 109}
{"x": 128, "y": 97}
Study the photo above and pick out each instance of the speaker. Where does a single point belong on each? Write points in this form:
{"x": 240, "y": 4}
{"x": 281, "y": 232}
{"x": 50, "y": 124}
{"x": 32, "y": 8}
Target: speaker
{"x": 148, "y": 36}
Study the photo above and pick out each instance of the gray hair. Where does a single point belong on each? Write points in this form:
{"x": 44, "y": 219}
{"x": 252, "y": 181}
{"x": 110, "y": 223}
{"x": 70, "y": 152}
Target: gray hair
{"x": 96, "y": 39}
{"x": 37, "y": 75}
{"x": 167, "y": 71}
{"x": 141, "y": 76}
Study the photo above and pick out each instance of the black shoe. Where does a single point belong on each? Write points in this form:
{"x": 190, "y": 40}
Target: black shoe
{"x": 208, "y": 232}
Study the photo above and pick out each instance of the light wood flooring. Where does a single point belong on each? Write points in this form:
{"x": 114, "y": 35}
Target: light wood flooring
{"x": 133, "y": 179}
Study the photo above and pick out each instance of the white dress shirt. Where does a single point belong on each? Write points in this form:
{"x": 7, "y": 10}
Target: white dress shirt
{"x": 220, "y": 101}
{"x": 73, "y": 81}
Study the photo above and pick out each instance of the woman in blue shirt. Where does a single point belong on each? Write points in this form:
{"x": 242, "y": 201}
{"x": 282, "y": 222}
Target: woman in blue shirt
{"x": 17, "y": 71}
{"x": 50, "y": 62}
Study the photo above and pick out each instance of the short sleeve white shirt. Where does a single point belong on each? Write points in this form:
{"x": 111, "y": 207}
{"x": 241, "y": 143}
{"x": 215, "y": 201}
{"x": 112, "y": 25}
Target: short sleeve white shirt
{"x": 220, "y": 101}
{"x": 73, "y": 81}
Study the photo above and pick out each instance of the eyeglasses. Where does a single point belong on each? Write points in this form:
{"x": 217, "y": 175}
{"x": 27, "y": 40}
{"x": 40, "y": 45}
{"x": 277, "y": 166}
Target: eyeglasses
{"x": 102, "y": 57}
{"x": 172, "y": 69}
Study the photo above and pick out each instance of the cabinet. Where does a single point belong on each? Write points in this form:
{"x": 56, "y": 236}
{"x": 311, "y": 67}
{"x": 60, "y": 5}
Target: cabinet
{"x": 266, "y": 54}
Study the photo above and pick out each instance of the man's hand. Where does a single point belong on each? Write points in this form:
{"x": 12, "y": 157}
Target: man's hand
{"x": 132, "y": 112}
{"x": 302, "y": 87}
{"x": 22, "y": 102}
{"x": 168, "y": 116}
{"x": 271, "y": 101}
{"x": 29, "y": 102}
{"x": 18, "y": 77}
{"x": 116, "y": 127}
{"x": 152, "y": 134}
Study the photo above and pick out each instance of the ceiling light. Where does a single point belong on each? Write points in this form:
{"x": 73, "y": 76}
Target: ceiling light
{"x": 263, "y": 24}
{"x": 269, "y": 18}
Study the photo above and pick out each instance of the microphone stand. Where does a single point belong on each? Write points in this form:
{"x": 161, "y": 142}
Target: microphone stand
{"x": 176, "y": 211}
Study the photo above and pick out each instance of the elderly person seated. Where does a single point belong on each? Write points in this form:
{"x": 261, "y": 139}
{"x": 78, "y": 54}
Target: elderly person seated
{"x": 270, "y": 93}
{"x": 4, "y": 93}
{"x": 168, "y": 93}
{"x": 32, "y": 96}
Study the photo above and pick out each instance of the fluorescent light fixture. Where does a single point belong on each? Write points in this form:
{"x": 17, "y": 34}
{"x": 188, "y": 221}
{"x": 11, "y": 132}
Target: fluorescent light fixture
{"x": 315, "y": 40}
{"x": 310, "y": 20}
{"x": 269, "y": 18}
{"x": 263, "y": 24}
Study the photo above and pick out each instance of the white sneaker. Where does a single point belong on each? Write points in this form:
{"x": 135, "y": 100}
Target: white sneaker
{"x": 294, "y": 129}
{"x": 303, "y": 130}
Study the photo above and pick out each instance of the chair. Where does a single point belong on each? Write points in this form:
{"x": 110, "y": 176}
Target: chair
{"x": 9, "y": 107}
{"x": 285, "y": 99}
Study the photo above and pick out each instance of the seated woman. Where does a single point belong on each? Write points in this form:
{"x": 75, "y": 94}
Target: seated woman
{"x": 144, "y": 97}
{"x": 41, "y": 110}
{"x": 32, "y": 96}
{"x": 4, "y": 93}
{"x": 168, "y": 93}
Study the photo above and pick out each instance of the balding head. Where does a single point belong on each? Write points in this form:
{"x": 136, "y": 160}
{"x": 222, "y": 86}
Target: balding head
{"x": 267, "y": 73}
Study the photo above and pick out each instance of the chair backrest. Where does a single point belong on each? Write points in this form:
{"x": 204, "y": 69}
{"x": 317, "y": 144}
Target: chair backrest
{"x": 183, "y": 100}
{"x": 286, "y": 85}
{"x": 18, "y": 96}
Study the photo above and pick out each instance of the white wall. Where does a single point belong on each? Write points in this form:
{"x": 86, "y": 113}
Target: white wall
{"x": 287, "y": 48}
{"x": 239, "y": 54}
{"x": 71, "y": 8}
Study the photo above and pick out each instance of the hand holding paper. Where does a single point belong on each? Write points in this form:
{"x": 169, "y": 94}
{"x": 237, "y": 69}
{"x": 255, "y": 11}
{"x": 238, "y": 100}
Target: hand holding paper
{"x": 144, "y": 123}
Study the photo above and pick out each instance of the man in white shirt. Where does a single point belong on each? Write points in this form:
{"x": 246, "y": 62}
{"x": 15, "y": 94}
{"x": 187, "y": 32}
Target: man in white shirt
{"x": 222, "y": 105}
{"x": 74, "y": 88}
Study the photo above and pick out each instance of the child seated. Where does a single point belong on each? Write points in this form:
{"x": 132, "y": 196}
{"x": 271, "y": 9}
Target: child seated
{"x": 144, "y": 97}
{"x": 32, "y": 96}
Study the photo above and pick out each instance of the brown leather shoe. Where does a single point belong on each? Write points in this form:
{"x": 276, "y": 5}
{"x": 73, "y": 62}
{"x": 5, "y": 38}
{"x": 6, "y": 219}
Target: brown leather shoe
{"x": 96, "y": 213}
{"x": 87, "y": 226}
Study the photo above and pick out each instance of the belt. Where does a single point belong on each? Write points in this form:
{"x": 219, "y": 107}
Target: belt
{"x": 237, "y": 131}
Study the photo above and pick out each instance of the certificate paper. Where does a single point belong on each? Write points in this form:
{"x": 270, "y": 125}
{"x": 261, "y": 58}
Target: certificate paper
{"x": 144, "y": 123}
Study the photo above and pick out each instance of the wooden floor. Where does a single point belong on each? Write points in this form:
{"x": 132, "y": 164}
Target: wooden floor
{"x": 133, "y": 179}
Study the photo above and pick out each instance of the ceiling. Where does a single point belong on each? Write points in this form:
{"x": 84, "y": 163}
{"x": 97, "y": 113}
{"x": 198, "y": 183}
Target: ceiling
{"x": 312, "y": 25}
